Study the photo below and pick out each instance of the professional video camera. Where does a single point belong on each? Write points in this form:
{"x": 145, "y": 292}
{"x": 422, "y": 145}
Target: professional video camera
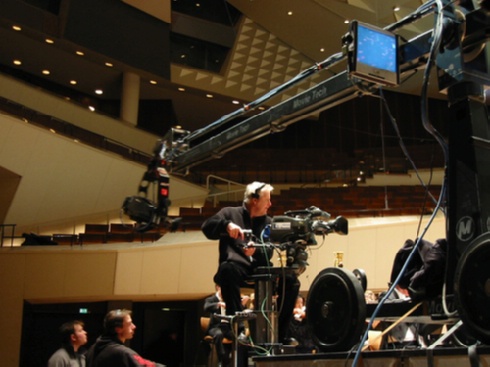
{"x": 302, "y": 225}
{"x": 143, "y": 211}
{"x": 297, "y": 229}
{"x": 146, "y": 213}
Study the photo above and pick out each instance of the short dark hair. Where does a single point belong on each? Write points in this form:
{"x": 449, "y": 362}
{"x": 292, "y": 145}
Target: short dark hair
{"x": 67, "y": 329}
{"x": 114, "y": 319}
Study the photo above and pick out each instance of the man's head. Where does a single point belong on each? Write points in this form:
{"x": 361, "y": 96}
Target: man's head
{"x": 72, "y": 333}
{"x": 257, "y": 198}
{"x": 118, "y": 323}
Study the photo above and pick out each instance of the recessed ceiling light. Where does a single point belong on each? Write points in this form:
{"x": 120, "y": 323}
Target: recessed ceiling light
{"x": 49, "y": 40}
{"x": 17, "y": 62}
{"x": 73, "y": 82}
{"x": 322, "y": 50}
{"x": 99, "y": 91}
{"x": 209, "y": 95}
{"x": 154, "y": 82}
{"x": 109, "y": 64}
{"x": 346, "y": 21}
{"x": 53, "y": 131}
{"x": 80, "y": 53}
{"x": 91, "y": 108}
{"x": 181, "y": 89}
{"x": 396, "y": 8}
{"x": 198, "y": 5}
{"x": 290, "y": 12}
{"x": 46, "y": 72}
{"x": 16, "y": 27}
{"x": 235, "y": 102}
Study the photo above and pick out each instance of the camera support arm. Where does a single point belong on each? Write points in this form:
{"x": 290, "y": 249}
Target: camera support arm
{"x": 327, "y": 94}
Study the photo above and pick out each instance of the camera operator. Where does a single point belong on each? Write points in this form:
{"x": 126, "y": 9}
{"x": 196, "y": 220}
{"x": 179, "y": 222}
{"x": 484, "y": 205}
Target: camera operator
{"x": 238, "y": 259}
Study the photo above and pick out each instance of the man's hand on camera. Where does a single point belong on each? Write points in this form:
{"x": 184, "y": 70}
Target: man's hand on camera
{"x": 234, "y": 231}
{"x": 249, "y": 249}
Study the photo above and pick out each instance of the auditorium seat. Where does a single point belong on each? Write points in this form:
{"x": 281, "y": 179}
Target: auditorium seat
{"x": 121, "y": 232}
{"x": 94, "y": 233}
{"x": 151, "y": 235}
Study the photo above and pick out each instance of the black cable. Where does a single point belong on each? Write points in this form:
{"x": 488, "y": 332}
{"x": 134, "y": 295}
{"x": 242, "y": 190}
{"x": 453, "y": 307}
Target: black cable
{"x": 403, "y": 146}
{"x": 434, "y": 48}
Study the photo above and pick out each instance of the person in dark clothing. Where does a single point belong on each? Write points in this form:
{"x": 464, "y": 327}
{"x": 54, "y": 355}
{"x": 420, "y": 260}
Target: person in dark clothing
{"x": 238, "y": 259}
{"x": 73, "y": 337}
{"x": 109, "y": 349}
{"x": 219, "y": 329}
{"x": 299, "y": 329}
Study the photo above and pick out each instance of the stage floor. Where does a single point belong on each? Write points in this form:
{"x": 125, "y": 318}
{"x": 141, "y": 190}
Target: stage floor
{"x": 437, "y": 357}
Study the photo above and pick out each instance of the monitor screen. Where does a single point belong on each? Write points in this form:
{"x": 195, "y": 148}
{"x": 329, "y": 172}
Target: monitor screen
{"x": 375, "y": 54}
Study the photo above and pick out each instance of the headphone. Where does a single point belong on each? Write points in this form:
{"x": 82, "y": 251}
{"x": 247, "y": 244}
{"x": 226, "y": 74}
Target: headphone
{"x": 256, "y": 193}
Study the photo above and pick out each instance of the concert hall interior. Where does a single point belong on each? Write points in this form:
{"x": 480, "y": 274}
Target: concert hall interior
{"x": 124, "y": 125}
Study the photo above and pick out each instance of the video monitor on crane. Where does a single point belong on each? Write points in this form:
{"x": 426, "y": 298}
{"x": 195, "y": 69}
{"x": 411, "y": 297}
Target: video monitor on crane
{"x": 373, "y": 54}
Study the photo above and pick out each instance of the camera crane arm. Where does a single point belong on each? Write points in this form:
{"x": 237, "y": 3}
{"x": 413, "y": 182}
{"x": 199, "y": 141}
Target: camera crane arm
{"x": 327, "y": 94}
{"x": 173, "y": 153}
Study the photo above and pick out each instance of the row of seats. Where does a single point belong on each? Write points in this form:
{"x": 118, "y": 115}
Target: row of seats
{"x": 350, "y": 202}
{"x": 315, "y": 165}
{"x": 359, "y": 201}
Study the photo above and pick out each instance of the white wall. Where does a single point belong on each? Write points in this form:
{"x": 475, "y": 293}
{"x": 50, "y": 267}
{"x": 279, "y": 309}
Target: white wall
{"x": 65, "y": 183}
{"x": 371, "y": 245}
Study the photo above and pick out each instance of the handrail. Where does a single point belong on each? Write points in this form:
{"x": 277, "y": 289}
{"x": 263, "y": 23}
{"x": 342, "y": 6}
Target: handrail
{"x": 72, "y": 131}
{"x": 227, "y": 192}
{"x": 2, "y": 234}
